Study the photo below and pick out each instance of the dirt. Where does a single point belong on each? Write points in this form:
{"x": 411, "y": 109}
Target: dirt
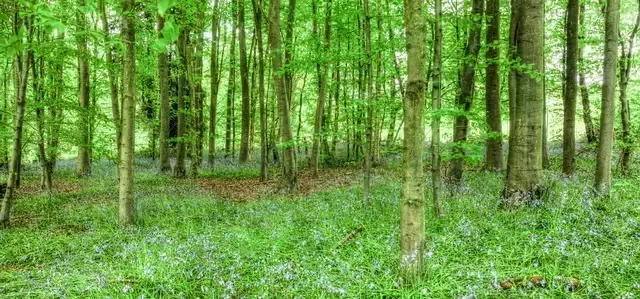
{"x": 253, "y": 189}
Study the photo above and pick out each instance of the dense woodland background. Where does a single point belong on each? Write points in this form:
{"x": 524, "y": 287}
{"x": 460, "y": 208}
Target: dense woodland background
{"x": 492, "y": 143}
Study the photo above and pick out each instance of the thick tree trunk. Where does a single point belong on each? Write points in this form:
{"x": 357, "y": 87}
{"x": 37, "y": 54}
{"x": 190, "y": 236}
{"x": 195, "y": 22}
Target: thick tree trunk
{"x": 571, "y": 91}
{"x": 289, "y": 167}
{"x": 412, "y": 226}
{"x": 244, "y": 83}
{"x": 84, "y": 162}
{"x": 494, "y": 159}
{"x": 603, "y": 158}
{"x": 465, "y": 98}
{"x": 524, "y": 168}
{"x": 180, "y": 170}
{"x": 126, "y": 206}
{"x": 163, "y": 75}
{"x": 436, "y": 174}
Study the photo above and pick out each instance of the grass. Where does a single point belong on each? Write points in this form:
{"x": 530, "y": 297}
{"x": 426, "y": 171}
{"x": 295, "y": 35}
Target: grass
{"x": 189, "y": 244}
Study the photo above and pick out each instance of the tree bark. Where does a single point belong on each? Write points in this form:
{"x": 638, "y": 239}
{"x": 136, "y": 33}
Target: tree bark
{"x": 179, "y": 170}
{"x": 231, "y": 86}
{"x": 584, "y": 90}
{"x": 571, "y": 91}
{"x": 126, "y": 206}
{"x": 524, "y": 166}
{"x": 84, "y": 162}
{"x": 603, "y": 158}
{"x": 289, "y": 167}
{"x": 465, "y": 98}
{"x": 494, "y": 158}
{"x": 626, "y": 60}
{"x": 244, "y": 83}
{"x": 215, "y": 81}
{"x": 258, "y": 19}
{"x": 436, "y": 174}
{"x": 369, "y": 132}
{"x": 322, "y": 92}
{"x": 412, "y": 226}
{"x": 163, "y": 75}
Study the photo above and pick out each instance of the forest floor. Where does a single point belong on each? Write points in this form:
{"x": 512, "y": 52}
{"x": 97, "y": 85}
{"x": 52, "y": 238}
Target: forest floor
{"x": 192, "y": 241}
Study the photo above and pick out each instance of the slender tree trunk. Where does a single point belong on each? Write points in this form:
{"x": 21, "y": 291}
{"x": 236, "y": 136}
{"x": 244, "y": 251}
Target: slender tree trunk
{"x": 37, "y": 67}
{"x": 571, "y": 91}
{"x": 163, "y": 75}
{"x": 288, "y": 50}
{"x": 21, "y": 75}
{"x": 625, "y": 112}
{"x": 193, "y": 103}
{"x": 465, "y": 98}
{"x": 436, "y": 179}
{"x": 289, "y": 167}
{"x": 215, "y": 81}
{"x": 244, "y": 83}
{"x": 257, "y": 9}
{"x": 179, "y": 170}
{"x": 322, "y": 92}
{"x": 126, "y": 206}
{"x": 412, "y": 226}
{"x": 369, "y": 133}
{"x": 494, "y": 159}
{"x": 584, "y": 90}
{"x": 113, "y": 80}
{"x": 84, "y": 162}
{"x": 524, "y": 168}
{"x": 603, "y": 159}
{"x": 231, "y": 86}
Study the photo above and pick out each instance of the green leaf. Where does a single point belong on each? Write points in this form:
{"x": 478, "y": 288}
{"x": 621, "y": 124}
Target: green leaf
{"x": 164, "y": 5}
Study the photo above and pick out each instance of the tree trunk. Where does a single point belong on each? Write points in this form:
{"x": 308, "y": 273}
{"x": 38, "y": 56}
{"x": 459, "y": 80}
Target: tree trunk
{"x": 193, "y": 107}
{"x": 322, "y": 92}
{"x": 215, "y": 81}
{"x": 163, "y": 75}
{"x": 288, "y": 50}
{"x": 571, "y": 91}
{"x": 289, "y": 167}
{"x": 231, "y": 87}
{"x": 412, "y": 226}
{"x": 179, "y": 169}
{"x": 369, "y": 133}
{"x": 584, "y": 90}
{"x": 625, "y": 113}
{"x": 126, "y": 206}
{"x": 436, "y": 179}
{"x": 494, "y": 159}
{"x": 244, "y": 83}
{"x": 465, "y": 98}
{"x": 257, "y": 9}
{"x": 84, "y": 162}
{"x": 37, "y": 67}
{"x": 524, "y": 165}
{"x": 603, "y": 159}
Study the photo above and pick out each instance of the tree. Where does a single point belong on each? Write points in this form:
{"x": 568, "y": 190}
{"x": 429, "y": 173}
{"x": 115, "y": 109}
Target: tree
{"x": 465, "y": 97}
{"x": 258, "y": 19}
{"x": 126, "y": 206}
{"x": 412, "y": 226}
{"x": 21, "y": 29}
{"x": 244, "y": 84}
{"x": 215, "y": 80}
{"x": 323, "y": 68}
{"x": 571, "y": 90}
{"x": 626, "y": 58}
{"x": 369, "y": 131}
{"x": 84, "y": 161}
{"x": 231, "y": 86}
{"x": 494, "y": 159}
{"x": 603, "y": 158}
{"x": 524, "y": 164}
{"x": 436, "y": 174}
{"x": 584, "y": 90}
{"x": 289, "y": 168}
{"x": 179, "y": 170}
{"x": 163, "y": 76}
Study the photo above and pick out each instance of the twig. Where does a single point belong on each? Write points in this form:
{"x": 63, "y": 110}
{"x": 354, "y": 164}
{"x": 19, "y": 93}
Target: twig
{"x": 351, "y": 235}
